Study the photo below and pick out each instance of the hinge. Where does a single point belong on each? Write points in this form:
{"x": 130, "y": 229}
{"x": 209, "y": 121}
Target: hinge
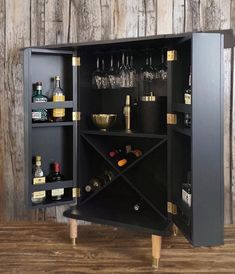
{"x": 76, "y": 116}
{"x": 171, "y": 119}
{"x": 171, "y": 208}
{"x": 76, "y": 61}
{"x": 171, "y": 55}
{"x": 76, "y": 192}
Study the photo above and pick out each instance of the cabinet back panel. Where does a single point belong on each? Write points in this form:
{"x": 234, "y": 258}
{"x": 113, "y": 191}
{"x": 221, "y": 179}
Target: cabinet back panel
{"x": 54, "y": 144}
{"x": 45, "y": 66}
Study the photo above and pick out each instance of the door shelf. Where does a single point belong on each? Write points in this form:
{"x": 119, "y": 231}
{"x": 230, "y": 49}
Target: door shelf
{"x": 52, "y": 105}
{"x": 52, "y": 124}
{"x": 53, "y": 185}
{"x": 125, "y": 134}
{"x": 182, "y": 108}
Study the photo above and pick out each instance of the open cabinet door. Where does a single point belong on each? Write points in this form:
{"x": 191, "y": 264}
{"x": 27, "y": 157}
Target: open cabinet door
{"x": 195, "y": 153}
{"x": 52, "y": 141}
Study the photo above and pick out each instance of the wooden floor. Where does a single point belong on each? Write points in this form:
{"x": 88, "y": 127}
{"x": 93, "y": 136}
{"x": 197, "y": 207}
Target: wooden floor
{"x": 45, "y": 248}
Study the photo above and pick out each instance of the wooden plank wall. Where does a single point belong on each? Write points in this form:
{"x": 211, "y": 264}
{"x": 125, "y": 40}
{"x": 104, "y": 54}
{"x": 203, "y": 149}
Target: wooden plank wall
{"x": 39, "y": 22}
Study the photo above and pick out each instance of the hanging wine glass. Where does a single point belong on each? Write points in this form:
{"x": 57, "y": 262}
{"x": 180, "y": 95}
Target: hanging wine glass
{"x": 162, "y": 69}
{"x": 104, "y": 78}
{"x": 112, "y": 75}
{"x": 123, "y": 72}
{"x": 97, "y": 76}
{"x": 147, "y": 75}
{"x": 132, "y": 73}
{"x": 117, "y": 75}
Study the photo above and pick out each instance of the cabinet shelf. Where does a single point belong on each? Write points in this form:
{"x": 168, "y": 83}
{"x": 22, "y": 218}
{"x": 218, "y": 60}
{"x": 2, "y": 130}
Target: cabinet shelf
{"x": 53, "y": 185}
{"x": 52, "y": 105}
{"x": 182, "y": 108}
{"x": 125, "y": 134}
{"x": 112, "y": 214}
{"x": 184, "y": 131}
{"x": 52, "y": 124}
{"x": 50, "y": 203}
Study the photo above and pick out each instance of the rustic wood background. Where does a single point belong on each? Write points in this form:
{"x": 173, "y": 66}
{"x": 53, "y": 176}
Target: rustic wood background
{"x": 38, "y": 22}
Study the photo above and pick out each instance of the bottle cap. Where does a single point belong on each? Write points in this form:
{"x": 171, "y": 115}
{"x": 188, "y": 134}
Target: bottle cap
{"x": 38, "y": 158}
{"x": 88, "y": 188}
{"x": 112, "y": 154}
{"x": 38, "y": 83}
{"x": 122, "y": 162}
{"x": 149, "y": 98}
{"x": 57, "y": 167}
{"x": 57, "y": 77}
{"x": 137, "y": 152}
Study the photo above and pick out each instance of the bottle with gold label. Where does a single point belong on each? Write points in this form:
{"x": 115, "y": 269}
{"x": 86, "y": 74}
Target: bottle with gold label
{"x": 58, "y": 114}
{"x": 38, "y": 178}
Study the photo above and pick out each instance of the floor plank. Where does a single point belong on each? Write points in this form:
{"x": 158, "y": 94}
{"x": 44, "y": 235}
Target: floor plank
{"x": 45, "y": 248}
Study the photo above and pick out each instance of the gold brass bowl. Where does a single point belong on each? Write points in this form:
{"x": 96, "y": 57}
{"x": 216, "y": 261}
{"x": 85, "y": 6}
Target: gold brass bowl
{"x": 104, "y": 121}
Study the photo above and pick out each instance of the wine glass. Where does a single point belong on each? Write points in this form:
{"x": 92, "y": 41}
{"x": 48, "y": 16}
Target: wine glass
{"x": 104, "y": 78}
{"x": 123, "y": 73}
{"x": 97, "y": 76}
{"x": 161, "y": 72}
{"x": 132, "y": 73}
{"x": 112, "y": 75}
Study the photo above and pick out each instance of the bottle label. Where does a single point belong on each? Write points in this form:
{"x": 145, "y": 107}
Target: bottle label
{"x": 57, "y": 192}
{"x": 186, "y": 197}
{"x": 36, "y": 115}
{"x": 187, "y": 99}
{"x": 58, "y": 112}
{"x": 39, "y": 180}
{"x": 39, "y": 194}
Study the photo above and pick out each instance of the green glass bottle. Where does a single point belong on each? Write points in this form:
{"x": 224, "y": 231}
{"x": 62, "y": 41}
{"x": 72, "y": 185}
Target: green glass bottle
{"x": 39, "y": 115}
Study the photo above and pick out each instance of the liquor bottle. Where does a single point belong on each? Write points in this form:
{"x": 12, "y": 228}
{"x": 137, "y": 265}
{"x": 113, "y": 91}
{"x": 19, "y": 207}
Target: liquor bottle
{"x": 39, "y": 115}
{"x": 187, "y": 191}
{"x": 130, "y": 157}
{"x": 55, "y": 176}
{"x": 95, "y": 184}
{"x": 187, "y": 120}
{"x": 58, "y": 114}
{"x": 188, "y": 91}
{"x": 127, "y": 113}
{"x": 38, "y": 178}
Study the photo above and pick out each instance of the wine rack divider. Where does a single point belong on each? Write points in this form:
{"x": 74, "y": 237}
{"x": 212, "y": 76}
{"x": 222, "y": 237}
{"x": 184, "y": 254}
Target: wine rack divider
{"x": 121, "y": 173}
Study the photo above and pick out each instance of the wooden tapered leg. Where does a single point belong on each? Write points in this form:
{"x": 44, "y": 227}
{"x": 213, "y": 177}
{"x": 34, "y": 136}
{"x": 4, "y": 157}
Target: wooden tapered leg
{"x": 73, "y": 230}
{"x": 156, "y": 250}
{"x": 174, "y": 230}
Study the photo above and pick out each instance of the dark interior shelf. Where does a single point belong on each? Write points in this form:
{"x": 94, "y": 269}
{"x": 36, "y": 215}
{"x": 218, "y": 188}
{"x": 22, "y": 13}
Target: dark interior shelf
{"x": 184, "y": 208}
{"x": 49, "y": 203}
{"x": 182, "y": 130}
{"x": 52, "y": 105}
{"x": 52, "y": 124}
{"x": 125, "y": 134}
{"x": 53, "y": 185}
{"x": 182, "y": 108}
{"x": 115, "y": 89}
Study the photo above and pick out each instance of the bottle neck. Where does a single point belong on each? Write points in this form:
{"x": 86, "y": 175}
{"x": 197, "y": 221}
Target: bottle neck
{"x": 57, "y": 83}
{"x": 123, "y": 59}
{"x": 98, "y": 63}
{"x": 190, "y": 80}
{"x": 39, "y": 92}
{"x": 111, "y": 63}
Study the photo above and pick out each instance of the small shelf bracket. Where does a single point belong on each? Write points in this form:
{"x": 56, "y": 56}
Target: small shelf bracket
{"x": 76, "y": 116}
{"x": 171, "y": 119}
{"x": 171, "y": 55}
{"x": 76, "y": 192}
{"x": 76, "y": 61}
{"x": 171, "y": 208}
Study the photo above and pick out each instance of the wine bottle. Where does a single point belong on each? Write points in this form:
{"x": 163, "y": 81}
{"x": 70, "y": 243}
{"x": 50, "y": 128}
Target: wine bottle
{"x": 95, "y": 184}
{"x": 130, "y": 157}
{"x": 55, "y": 176}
